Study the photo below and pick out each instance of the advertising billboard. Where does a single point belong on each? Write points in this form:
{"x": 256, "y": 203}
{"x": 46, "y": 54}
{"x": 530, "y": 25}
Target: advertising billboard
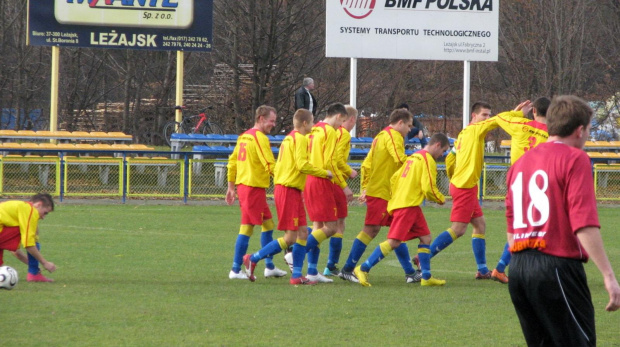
{"x": 179, "y": 25}
{"x": 464, "y": 30}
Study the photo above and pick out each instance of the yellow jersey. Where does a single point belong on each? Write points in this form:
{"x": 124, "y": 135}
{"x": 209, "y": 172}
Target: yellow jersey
{"x": 322, "y": 150}
{"x": 414, "y": 182}
{"x": 343, "y": 146}
{"x": 292, "y": 165}
{"x": 252, "y": 161}
{"x": 525, "y": 133}
{"x": 469, "y": 151}
{"x": 23, "y": 214}
{"x": 386, "y": 155}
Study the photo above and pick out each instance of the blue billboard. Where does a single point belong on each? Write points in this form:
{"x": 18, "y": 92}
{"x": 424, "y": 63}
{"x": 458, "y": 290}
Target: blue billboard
{"x": 177, "y": 25}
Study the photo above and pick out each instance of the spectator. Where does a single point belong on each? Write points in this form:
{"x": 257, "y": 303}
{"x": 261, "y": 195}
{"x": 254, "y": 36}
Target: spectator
{"x": 304, "y": 98}
{"x": 416, "y": 131}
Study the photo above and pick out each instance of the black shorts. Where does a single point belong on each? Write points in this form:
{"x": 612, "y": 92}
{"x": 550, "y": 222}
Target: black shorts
{"x": 552, "y": 300}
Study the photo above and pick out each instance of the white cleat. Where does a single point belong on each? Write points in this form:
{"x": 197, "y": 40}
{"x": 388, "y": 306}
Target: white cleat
{"x": 288, "y": 258}
{"x": 348, "y": 276}
{"x": 237, "y": 275}
{"x": 274, "y": 273}
{"x": 319, "y": 278}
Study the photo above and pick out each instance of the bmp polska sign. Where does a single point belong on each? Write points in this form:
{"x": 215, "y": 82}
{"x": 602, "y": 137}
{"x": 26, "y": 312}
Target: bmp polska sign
{"x": 413, "y": 29}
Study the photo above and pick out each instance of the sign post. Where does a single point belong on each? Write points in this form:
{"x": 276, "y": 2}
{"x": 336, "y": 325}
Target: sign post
{"x": 353, "y": 84}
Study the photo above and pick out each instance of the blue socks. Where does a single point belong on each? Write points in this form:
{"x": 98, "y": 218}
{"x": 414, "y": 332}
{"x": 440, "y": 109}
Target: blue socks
{"x": 442, "y": 241}
{"x": 478, "y": 244}
{"x": 357, "y": 250}
{"x": 402, "y": 253}
{"x": 504, "y": 260}
{"x": 33, "y": 263}
{"x": 375, "y": 257}
{"x": 424, "y": 256}
{"x": 335, "y": 247}
{"x": 272, "y": 248}
{"x": 265, "y": 238}
{"x": 313, "y": 259}
{"x": 299, "y": 253}
{"x": 241, "y": 246}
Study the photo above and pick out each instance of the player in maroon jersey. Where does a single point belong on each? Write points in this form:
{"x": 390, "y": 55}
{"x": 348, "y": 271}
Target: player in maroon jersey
{"x": 553, "y": 228}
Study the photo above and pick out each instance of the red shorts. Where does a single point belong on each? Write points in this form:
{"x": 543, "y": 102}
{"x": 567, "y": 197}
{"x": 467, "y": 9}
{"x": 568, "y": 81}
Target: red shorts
{"x": 9, "y": 240}
{"x": 253, "y": 203}
{"x": 465, "y": 206}
{"x": 407, "y": 224}
{"x": 341, "y": 201}
{"x": 376, "y": 212}
{"x": 320, "y": 201}
{"x": 289, "y": 207}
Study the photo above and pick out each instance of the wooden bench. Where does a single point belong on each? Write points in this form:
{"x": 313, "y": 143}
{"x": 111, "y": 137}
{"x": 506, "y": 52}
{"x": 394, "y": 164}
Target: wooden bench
{"x": 28, "y": 147}
{"x": 62, "y": 135}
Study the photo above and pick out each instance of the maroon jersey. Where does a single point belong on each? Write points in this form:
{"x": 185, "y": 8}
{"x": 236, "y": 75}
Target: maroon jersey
{"x": 550, "y": 197}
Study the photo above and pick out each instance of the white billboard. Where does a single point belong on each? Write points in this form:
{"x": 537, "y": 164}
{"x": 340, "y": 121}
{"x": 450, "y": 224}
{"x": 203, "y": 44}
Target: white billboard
{"x": 413, "y": 29}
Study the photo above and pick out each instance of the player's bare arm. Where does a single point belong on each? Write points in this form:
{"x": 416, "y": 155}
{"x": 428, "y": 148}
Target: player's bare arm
{"x": 590, "y": 238}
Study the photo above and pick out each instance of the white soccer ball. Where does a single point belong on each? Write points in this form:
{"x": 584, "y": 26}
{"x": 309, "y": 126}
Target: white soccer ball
{"x": 8, "y": 277}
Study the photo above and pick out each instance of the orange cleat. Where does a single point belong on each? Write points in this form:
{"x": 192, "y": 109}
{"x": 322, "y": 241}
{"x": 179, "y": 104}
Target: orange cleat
{"x": 499, "y": 276}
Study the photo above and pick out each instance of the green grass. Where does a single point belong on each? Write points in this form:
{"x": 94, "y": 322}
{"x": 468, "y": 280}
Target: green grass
{"x": 156, "y": 275}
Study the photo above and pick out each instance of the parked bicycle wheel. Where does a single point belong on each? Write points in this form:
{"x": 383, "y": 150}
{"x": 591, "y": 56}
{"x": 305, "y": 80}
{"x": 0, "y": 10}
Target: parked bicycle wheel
{"x": 212, "y": 128}
{"x": 171, "y": 128}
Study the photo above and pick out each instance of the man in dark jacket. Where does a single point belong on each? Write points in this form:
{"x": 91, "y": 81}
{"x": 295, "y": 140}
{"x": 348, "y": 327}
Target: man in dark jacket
{"x": 416, "y": 131}
{"x": 304, "y": 98}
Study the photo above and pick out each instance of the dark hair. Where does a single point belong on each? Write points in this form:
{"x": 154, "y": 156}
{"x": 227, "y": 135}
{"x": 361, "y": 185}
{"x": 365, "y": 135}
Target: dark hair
{"x": 405, "y": 106}
{"x": 336, "y": 109}
{"x": 566, "y": 113}
{"x": 400, "y": 114}
{"x": 45, "y": 198}
{"x": 477, "y": 106}
{"x": 439, "y": 137}
{"x": 541, "y": 105}
{"x": 263, "y": 111}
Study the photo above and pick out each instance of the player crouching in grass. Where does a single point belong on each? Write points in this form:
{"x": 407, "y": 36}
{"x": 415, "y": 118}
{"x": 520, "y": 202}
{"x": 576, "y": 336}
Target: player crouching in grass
{"x": 411, "y": 184}
{"x": 19, "y": 221}
{"x": 290, "y": 173}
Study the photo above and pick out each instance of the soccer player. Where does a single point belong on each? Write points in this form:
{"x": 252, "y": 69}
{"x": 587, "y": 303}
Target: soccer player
{"x": 410, "y": 185}
{"x": 465, "y": 161}
{"x": 249, "y": 168}
{"x": 343, "y": 146}
{"x": 289, "y": 179}
{"x": 525, "y": 134}
{"x": 386, "y": 155}
{"x": 19, "y": 221}
{"x": 553, "y": 228}
{"x": 320, "y": 193}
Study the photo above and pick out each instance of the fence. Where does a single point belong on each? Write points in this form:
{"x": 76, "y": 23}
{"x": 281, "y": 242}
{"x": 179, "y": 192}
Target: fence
{"x": 129, "y": 174}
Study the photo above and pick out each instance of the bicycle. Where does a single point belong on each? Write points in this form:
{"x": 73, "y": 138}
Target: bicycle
{"x": 196, "y": 124}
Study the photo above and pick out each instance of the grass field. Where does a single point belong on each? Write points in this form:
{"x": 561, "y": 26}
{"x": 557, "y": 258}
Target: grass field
{"x": 157, "y": 275}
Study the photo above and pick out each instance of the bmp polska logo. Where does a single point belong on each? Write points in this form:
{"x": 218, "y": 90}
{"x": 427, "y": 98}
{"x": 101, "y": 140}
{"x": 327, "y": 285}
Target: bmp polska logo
{"x": 358, "y": 9}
